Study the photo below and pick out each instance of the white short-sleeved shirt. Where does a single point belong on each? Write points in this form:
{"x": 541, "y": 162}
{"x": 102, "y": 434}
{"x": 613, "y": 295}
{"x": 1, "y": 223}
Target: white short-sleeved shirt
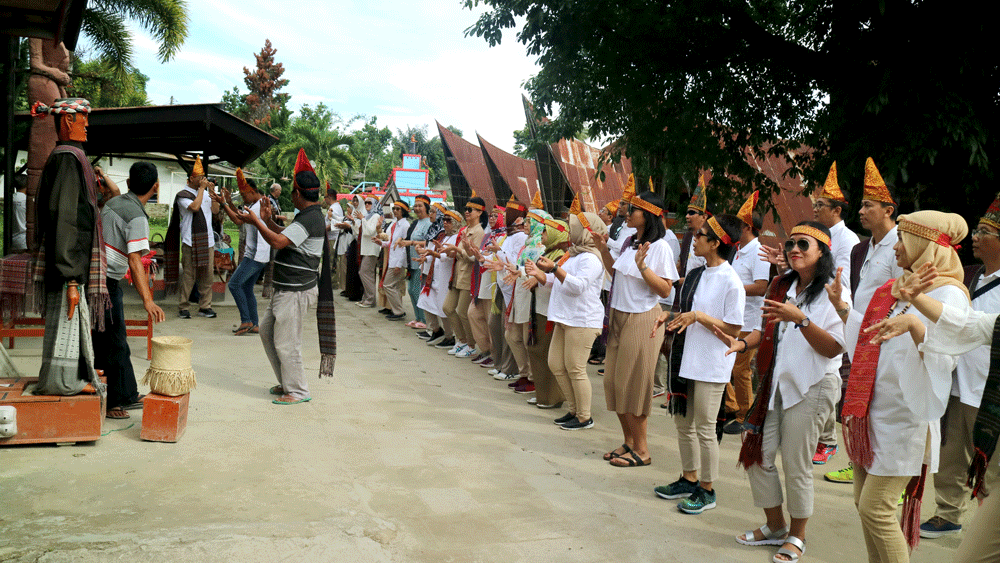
{"x": 797, "y": 365}
{"x": 187, "y": 216}
{"x": 910, "y": 394}
{"x": 630, "y": 293}
{"x": 397, "y": 254}
{"x": 576, "y": 301}
{"x": 879, "y": 266}
{"x": 255, "y": 247}
{"x": 970, "y": 374}
{"x": 751, "y": 268}
{"x": 719, "y": 294}
{"x": 842, "y": 241}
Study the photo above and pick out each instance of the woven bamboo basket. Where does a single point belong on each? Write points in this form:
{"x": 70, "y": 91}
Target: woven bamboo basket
{"x": 170, "y": 370}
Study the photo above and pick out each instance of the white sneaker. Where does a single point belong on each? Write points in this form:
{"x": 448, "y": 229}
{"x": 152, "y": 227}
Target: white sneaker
{"x": 458, "y": 348}
{"x": 505, "y": 376}
{"x": 493, "y": 371}
{"x": 465, "y": 352}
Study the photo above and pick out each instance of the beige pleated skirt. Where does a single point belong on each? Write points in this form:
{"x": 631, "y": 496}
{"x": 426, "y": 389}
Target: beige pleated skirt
{"x": 630, "y": 361}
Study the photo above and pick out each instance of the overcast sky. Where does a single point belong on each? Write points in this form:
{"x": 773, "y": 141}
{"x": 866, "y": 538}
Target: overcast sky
{"x": 408, "y": 63}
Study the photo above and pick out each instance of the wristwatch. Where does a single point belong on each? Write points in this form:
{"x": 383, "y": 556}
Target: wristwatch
{"x": 804, "y": 323}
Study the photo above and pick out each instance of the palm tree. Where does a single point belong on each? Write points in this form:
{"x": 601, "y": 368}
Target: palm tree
{"x": 104, "y": 23}
{"x": 327, "y": 148}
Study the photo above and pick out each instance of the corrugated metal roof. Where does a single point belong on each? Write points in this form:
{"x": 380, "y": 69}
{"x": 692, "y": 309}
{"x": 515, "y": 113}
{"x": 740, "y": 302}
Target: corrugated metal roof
{"x": 510, "y": 173}
{"x": 579, "y": 163}
{"x": 466, "y": 169}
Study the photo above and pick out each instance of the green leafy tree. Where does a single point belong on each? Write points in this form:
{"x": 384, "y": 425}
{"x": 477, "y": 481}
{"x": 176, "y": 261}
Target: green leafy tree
{"x": 97, "y": 81}
{"x": 371, "y": 150}
{"x": 430, "y": 147}
{"x": 105, "y": 24}
{"x": 688, "y": 86}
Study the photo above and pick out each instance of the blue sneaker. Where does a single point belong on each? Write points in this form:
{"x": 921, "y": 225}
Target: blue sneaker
{"x": 681, "y": 488}
{"x": 699, "y": 501}
{"x": 937, "y": 527}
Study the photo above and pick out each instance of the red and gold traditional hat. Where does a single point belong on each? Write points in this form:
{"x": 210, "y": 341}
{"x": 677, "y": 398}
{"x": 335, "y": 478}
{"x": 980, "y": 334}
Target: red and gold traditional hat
{"x": 629, "y": 191}
{"x": 992, "y": 217}
{"x": 472, "y": 193}
{"x": 574, "y": 207}
{"x": 402, "y": 205}
{"x": 746, "y": 212}
{"x": 536, "y": 201}
{"x": 198, "y": 169}
{"x": 875, "y": 188}
{"x": 302, "y": 162}
{"x": 612, "y": 207}
{"x": 831, "y": 189}
{"x": 699, "y": 201}
{"x": 241, "y": 181}
{"x": 514, "y": 204}
{"x": 557, "y": 225}
{"x": 455, "y": 216}
{"x": 423, "y": 198}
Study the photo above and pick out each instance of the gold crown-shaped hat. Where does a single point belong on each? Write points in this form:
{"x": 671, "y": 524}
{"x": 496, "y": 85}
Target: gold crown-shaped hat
{"x": 831, "y": 189}
{"x": 875, "y": 188}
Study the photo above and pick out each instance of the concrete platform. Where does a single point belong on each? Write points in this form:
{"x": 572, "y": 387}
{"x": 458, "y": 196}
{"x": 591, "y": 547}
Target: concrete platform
{"x": 407, "y": 454}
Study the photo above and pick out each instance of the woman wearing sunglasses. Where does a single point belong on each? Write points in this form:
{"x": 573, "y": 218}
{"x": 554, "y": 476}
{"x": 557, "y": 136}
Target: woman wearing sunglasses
{"x": 712, "y": 296}
{"x": 799, "y": 362}
{"x": 643, "y": 273}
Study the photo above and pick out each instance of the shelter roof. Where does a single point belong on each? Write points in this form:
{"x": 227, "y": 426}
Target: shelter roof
{"x": 579, "y": 162}
{"x": 178, "y": 130}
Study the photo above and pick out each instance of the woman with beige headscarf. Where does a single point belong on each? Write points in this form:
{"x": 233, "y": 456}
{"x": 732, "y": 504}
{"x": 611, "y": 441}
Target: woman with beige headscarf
{"x": 895, "y": 393}
{"x": 576, "y": 310}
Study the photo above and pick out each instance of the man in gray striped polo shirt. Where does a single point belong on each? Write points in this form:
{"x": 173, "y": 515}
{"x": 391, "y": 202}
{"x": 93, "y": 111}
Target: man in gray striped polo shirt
{"x": 297, "y": 264}
{"x": 125, "y": 226}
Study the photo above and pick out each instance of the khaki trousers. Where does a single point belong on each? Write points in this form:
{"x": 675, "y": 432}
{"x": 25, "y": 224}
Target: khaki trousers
{"x": 877, "y": 498}
{"x": 192, "y": 275}
{"x": 981, "y": 543}
{"x": 547, "y": 390}
{"x": 739, "y": 391}
{"x": 368, "y": 280}
{"x": 435, "y": 322}
{"x": 793, "y": 432}
{"x": 281, "y": 335}
{"x": 451, "y": 303}
{"x": 950, "y": 491}
{"x": 568, "y": 353}
{"x": 479, "y": 311}
{"x": 503, "y": 359}
{"x": 516, "y": 336}
{"x": 394, "y": 285}
{"x": 696, "y": 429}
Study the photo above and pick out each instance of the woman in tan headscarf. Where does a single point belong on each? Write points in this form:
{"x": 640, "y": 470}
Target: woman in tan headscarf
{"x": 896, "y": 394}
{"x": 576, "y": 309}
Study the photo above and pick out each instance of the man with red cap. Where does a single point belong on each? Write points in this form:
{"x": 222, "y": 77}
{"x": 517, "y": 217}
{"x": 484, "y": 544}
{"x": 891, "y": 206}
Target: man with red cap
{"x": 301, "y": 276}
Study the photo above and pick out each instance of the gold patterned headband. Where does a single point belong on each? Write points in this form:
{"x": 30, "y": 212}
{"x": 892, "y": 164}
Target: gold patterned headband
{"x": 928, "y": 233}
{"x": 516, "y": 205}
{"x": 455, "y": 216}
{"x": 554, "y": 224}
{"x": 812, "y": 232}
{"x": 713, "y": 223}
{"x": 475, "y": 206}
{"x": 645, "y": 205}
{"x": 584, "y": 221}
{"x": 402, "y": 205}
{"x": 536, "y": 217}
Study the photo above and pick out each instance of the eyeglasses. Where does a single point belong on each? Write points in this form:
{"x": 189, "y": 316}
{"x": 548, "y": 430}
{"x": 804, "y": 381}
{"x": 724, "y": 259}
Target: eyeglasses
{"x": 802, "y": 243}
{"x": 448, "y": 220}
{"x": 980, "y": 233}
{"x": 820, "y": 205}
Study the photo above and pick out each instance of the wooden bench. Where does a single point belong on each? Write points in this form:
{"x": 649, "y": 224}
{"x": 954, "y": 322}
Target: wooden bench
{"x": 34, "y": 327}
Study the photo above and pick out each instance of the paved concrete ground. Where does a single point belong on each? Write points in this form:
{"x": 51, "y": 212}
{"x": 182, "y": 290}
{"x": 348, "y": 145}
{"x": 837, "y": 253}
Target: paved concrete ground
{"x": 407, "y": 454}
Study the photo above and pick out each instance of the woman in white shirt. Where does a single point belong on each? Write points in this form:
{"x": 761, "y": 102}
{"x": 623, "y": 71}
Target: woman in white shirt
{"x": 576, "y": 309}
{"x": 896, "y": 394}
{"x": 956, "y": 332}
{"x": 799, "y": 364}
{"x": 712, "y": 296}
{"x": 435, "y": 291}
{"x": 643, "y": 273}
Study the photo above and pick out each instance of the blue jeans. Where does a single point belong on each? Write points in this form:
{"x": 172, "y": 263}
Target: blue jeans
{"x": 241, "y": 286}
{"x": 414, "y": 285}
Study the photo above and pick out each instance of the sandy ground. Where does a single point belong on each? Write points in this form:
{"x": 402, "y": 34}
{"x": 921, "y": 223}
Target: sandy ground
{"x": 406, "y": 454}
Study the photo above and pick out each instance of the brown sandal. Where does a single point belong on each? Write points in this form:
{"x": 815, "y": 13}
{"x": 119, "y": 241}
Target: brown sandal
{"x": 117, "y": 413}
{"x": 244, "y": 328}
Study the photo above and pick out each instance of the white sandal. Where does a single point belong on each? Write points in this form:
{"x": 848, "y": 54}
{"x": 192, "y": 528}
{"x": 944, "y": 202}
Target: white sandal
{"x": 792, "y": 556}
{"x": 776, "y": 537}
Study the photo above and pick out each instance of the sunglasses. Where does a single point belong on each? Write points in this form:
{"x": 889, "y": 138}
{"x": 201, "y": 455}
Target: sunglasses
{"x": 368, "y": 203}
{"x": 802, "y": 243}
{"x": 468, "y": 210}
{"x": 448, "y": 220}
{"x": 691, "y": 212}
{"x": 701, "y": 234}
{"x": 980, "y": 233}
